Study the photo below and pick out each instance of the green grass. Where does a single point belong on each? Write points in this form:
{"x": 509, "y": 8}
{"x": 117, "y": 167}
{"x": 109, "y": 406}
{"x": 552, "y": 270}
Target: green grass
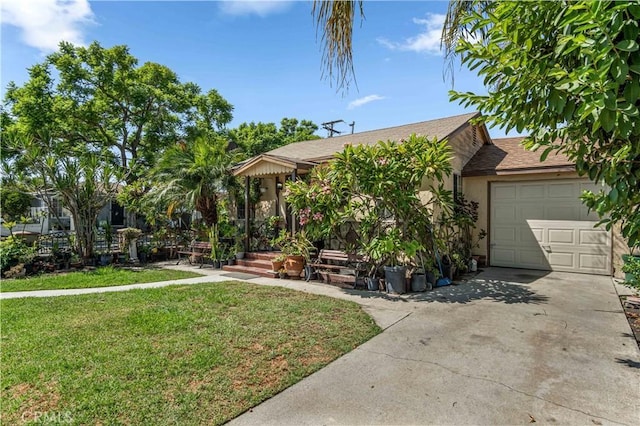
{"x": 198, "y": 354}
{"x": 101, "y": 277}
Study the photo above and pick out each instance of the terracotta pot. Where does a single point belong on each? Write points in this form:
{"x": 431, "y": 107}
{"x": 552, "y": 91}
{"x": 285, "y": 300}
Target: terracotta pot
{"x": 276, "y": 265}
{"x": 294, "y": 265}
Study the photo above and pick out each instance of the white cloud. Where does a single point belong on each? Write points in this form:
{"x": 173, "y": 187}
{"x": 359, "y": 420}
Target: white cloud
{"x": 427, "y": 41}
{"x": 44, "y": 23}
{"x": 365, "y": 100}
{"x": 261, "y": 8}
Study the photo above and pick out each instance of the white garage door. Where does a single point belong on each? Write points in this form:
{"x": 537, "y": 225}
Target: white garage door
{"x": 543, "y": 225}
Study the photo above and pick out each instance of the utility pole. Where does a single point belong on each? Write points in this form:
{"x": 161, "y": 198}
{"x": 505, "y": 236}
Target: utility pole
{"x": 329, "y": 127}
{"x": 352, "y": 125}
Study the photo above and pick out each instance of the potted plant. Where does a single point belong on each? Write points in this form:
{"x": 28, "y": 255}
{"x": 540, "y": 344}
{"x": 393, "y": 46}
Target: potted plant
{"x": 392, "y": 249}
{"x": 277, "y": 262}
{"x": 239, "y": 247}
{"x": 129, "y": 237}
{"x": 297, "y": 249}
{"x": 143, "y": 252}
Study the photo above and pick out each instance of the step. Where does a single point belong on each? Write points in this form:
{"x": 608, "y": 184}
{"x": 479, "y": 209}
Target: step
{"x": 256, "y": 263}
{"x": 250, "y": 270}
{"x": 262, "y": 255}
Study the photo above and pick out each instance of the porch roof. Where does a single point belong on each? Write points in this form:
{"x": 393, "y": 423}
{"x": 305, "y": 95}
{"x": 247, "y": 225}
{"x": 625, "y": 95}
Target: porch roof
{"x": 269, "y": 165}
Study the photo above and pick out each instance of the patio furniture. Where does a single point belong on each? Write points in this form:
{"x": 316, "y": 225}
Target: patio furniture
{"x": 196, "y": 252}
{"x": 338, "y": 267}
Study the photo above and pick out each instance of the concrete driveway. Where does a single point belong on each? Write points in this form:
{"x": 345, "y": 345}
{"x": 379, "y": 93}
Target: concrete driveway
{"x": 508, "y": 347}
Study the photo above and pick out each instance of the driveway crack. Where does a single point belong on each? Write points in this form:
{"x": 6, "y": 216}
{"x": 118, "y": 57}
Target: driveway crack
{"x": 511, "y": 388}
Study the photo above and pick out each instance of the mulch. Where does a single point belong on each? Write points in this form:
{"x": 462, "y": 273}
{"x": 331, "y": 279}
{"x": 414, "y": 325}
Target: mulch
{"x": 632, "y": 310}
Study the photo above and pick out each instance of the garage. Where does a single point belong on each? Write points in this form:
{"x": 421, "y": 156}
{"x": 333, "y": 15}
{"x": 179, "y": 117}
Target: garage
{"x": 542, "y": 224}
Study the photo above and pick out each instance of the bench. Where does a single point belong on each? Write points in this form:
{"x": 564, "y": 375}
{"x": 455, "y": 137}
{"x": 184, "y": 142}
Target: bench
{"x": 338, "y": 267}
{"x": 196, "y": 252}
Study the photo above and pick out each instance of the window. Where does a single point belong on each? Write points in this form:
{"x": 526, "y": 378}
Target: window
{"x": 457, "y": 187}
{"x": 241, "y": 210}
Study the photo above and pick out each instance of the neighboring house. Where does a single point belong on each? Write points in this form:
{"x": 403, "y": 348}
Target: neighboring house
{"x": 45, "y": 220}
{"x": 530, "y": 210}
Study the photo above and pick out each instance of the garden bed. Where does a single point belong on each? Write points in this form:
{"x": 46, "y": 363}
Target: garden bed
{"x": 633, "y": 316}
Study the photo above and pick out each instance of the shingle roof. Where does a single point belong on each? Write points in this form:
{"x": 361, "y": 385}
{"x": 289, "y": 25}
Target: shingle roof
{"x": 321, "y": 149}
{"x": 508, "y": 156}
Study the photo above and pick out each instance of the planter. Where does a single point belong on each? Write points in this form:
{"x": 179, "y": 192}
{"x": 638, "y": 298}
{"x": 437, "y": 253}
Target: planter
{"x": 216, "y": 264}
{"x": 431, "y": 280}
{"x": 231, "y": 261}
{"x": 394, "y": 277}
{"x": 240, "y": 255}
{"x": 418, "y": 282}
{"x": 628, "y": 276}
{"x": 294, "y": 265}
{"x": 276, "y": 265}
{"x": 143, "y": 257}
{"x": 105, "y": 259}
{"x": 372, "y": 283}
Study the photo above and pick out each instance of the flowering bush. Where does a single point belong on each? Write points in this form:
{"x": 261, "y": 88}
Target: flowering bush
{"x": 377, "y": 187}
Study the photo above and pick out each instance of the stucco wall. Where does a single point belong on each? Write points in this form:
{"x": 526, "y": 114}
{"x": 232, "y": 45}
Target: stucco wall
{"x": 477, "y": 189}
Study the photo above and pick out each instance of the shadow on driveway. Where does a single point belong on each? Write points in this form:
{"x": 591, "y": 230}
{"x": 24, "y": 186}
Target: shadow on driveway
{"x": 502, "y": 285}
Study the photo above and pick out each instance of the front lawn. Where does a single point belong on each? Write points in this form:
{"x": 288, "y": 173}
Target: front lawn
{"x": 197, "y": 354}
{"x": 101, "y": 277}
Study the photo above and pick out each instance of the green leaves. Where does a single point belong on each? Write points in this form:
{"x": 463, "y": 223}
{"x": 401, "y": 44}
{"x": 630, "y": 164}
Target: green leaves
{"x": 577, "y": 88}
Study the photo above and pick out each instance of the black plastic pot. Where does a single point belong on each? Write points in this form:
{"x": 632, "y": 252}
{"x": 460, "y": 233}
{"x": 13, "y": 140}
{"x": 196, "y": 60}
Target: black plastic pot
{"x": 418, "y": 282}
{"x": 394, "y": 276}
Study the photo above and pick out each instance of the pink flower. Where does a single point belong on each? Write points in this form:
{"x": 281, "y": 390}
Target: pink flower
{"x": 383, "y": 161}
{"x": 303, "y": 220}
{"x": 326, "y": 189}
{"x": 318, "y": 216}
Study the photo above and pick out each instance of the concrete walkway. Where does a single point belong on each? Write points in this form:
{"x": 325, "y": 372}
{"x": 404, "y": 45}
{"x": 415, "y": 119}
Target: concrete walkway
{"x": 507, "y": 347}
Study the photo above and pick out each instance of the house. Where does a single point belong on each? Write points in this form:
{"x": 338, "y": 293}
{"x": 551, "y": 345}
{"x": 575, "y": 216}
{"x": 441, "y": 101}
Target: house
{"x": 44, "y": 220}
{"x": 531, "y": 210}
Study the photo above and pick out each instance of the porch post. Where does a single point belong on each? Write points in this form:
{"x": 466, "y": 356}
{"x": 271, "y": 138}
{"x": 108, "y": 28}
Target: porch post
{"x": 294, "y": 176}
{"x": 247, "y": 213}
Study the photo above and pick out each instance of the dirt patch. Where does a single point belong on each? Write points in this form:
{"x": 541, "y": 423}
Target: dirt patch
{"x": 633, "y": 315}
{"x": 33, "y": 401}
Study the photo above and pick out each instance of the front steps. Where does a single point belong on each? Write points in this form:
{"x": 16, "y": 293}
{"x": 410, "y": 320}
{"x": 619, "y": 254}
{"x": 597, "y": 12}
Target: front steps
{"x": 256, "y": 263}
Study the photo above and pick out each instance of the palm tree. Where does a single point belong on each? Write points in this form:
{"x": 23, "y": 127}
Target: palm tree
{"x": 192, "y": 175}
{"x": 335, "y": 20}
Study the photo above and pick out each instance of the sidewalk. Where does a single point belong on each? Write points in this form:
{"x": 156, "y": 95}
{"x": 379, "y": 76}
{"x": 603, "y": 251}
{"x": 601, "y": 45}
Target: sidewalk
{"x": 378, "y": 306}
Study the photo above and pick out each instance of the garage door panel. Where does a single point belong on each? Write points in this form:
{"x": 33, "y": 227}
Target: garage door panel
{"x": 596, "y": 237}
{"x": 529, "y": 192}
{"x": 534, "y": 259}
{"x": 561, "y": 259}
{"x": 532, "y": 212}
{"x": 548, "y": 232}
{"x": 562, "y": 212}
{"x": 505, "y": 192}
{"x": 592, "y": 261}
{"x": 561, "y": 190}
{"x": 505, "y": 235}
{"x": 561, "y": 236}
{"x": 506, "y": 214}
{"x": 504, "y": 257}
{"x": 531, "y": 236}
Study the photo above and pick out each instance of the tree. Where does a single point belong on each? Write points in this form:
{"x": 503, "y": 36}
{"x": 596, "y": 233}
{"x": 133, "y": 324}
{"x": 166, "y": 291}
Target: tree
{"x": 193, "y": 176}
{"x": 101, "y": 97}
{"x": 257, "y": 138}
{"x": 84, "y": 180}
{"x": 15, "y": 203}
{"x": 334, "y": 19}
{"x": 567, "y": 73}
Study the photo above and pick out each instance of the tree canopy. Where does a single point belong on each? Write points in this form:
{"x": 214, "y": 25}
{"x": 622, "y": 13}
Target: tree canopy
{"x": 568, "y": 74}
{"x": 101, "y": 97}
{"x": 256, "y": 138}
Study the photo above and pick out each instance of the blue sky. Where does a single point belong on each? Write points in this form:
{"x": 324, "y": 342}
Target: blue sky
{"x": 263, "y": 57}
